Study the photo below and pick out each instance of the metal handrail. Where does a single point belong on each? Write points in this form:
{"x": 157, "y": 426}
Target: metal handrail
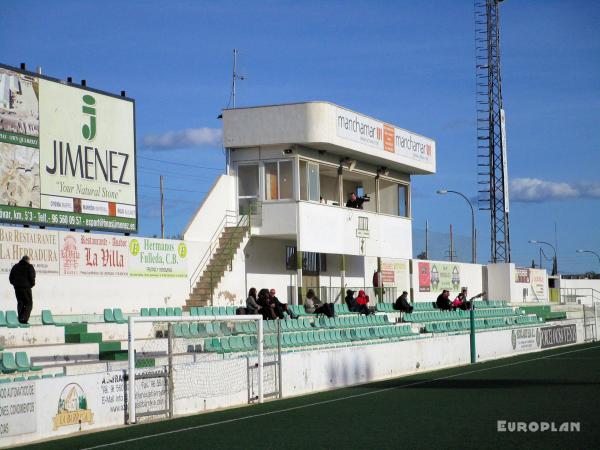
{"x": 244, "y": 222}
{"x": 570, "y": 295}
{"x": 214, "y": 243}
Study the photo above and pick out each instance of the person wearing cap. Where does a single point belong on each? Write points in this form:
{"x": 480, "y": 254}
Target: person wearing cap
{"x": 22, "y": 277}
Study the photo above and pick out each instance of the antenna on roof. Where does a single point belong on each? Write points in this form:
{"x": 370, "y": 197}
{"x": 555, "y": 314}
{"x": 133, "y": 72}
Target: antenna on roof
{"x": 235, "y": 77}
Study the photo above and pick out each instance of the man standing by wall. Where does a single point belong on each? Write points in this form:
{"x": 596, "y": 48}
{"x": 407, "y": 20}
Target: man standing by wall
{"x": 22, "y": 277}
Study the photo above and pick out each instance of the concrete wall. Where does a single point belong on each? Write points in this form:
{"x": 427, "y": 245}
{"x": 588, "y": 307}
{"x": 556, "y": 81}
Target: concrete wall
{"x": 330, "y": 229}
{"x": 83, "y": 273}
{"x": 584, "y": 292}
{"x": 206, "y": 220}
{"x": 505, "y": 283}
{"x": 451, "y": 275}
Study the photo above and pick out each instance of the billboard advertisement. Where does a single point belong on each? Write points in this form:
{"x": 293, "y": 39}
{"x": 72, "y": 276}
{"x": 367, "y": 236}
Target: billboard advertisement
{"x": 67, "y": 155}
{"x": 385, "y": 137}
{"x": 434, "y": 277}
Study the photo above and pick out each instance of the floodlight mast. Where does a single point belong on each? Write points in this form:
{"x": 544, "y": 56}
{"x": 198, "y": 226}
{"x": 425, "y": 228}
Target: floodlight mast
{"x": 491, "y": 136}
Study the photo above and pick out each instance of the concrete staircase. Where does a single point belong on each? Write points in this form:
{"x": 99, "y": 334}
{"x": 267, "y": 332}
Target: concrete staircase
{"x": 228, "y": 244}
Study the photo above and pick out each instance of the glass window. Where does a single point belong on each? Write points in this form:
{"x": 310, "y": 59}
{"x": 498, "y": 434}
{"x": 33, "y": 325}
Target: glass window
{"x": 403, "y": 200}
{"x": 247, "y": 175}
{"x": 271, "y": 185}
{"x": 388, "y": 197}
{"x": 303, "y": 180}
{"x": 248, "y": 180}
{"x": 278, "y": 180}
{"x": 314, "y": 194}
{"x": 286, "y": 186}
{"x": 312, "y": 263}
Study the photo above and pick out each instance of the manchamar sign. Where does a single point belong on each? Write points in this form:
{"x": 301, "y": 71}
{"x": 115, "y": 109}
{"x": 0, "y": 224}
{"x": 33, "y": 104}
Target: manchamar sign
{"x": 67, "y": 154}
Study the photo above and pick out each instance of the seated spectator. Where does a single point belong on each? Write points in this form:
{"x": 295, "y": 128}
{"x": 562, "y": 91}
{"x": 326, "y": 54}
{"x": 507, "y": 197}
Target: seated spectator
{"x": 443, "y": 301}
{"x": 313, "y": 305}
{"x": 461, "y": 302}
{"x": 311, "y": 302}
{"x": 266, "y": 309}
{"x": 350, "y": 301}
{"x": 279, "y": 307}
{"x": 252, "y": 307}
{"x": 362, "y": 302}
{"x": 402, "y": 304}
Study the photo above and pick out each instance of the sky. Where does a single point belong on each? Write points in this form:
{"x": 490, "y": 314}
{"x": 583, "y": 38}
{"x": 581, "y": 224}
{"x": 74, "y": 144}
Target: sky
{"x": 410, "y": 63}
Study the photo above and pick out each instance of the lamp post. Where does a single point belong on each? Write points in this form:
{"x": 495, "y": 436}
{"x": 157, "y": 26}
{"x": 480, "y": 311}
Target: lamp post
{"x": 555, "y": 262}
{"x": 589, "y": 251}
{"x": 473, "y": 239}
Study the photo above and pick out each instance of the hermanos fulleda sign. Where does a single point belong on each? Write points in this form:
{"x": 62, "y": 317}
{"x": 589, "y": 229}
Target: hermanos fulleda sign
{"x": 68, "y": 155}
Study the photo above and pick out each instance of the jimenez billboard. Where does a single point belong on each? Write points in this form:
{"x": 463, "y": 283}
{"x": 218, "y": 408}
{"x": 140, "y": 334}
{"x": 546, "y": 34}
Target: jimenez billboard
{"x": 67, "y": 155}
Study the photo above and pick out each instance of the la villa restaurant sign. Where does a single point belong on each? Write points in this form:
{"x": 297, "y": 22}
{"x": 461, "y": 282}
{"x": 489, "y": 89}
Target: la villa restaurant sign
{"x": 86, "y": 254}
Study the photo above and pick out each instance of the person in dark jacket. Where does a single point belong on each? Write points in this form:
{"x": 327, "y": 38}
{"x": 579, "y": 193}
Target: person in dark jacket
{"x": 355, "y": 202}
{"x": 279, "y": 307}
{"x": 22, "y": 277}
{"x": 266, "y": 308}
{"x": 350, "y": 301}
{"x": 402, "y": 304}
{"x": 443, "y": 301}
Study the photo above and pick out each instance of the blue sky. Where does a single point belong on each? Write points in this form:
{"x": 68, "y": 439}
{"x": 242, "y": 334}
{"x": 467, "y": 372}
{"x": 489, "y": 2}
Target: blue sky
{"x": 410, "y": 63}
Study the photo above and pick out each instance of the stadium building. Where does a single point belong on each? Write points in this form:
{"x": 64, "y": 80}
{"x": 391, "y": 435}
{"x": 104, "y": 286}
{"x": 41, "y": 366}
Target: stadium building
{"x": 130, "y": 328}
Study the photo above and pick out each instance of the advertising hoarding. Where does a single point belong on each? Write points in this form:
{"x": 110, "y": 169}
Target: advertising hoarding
{"x": 385, "y": 137}
{"x": 67, "y": 154}
{"x": 435, "y": 277}
{"x": 88, "y": 254}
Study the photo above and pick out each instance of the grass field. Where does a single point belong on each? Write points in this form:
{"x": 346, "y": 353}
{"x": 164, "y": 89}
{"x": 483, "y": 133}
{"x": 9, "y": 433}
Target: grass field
{"x": 453, "y": 408}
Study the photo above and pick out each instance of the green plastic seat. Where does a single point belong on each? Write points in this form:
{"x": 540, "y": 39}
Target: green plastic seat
{"x": 22, "y": 361}
{"x": 118, "y": 316}
{"x": 8, "y": 363}
{"x": 225, "y": 330}
{"x": 153, "y": 312}
{"x": 185, "y": 330}
{"x": 109, "y": 315}
{"x": 145, "y": 312}
{"x": 12, "y": 320}
{"x": 162, "y": 312}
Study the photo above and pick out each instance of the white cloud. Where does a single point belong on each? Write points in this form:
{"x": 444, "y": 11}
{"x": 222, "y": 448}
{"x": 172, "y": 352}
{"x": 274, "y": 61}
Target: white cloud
{"x": 536, "y": 190}
{"x": 190, "y": 137}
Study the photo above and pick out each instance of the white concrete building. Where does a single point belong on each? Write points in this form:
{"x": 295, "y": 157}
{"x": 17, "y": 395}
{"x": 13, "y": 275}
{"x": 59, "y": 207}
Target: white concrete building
{"x": 290, "y": 170}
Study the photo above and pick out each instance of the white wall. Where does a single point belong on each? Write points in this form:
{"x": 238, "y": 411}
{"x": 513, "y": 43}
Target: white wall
{"x": 502, "y": 284}
{"x": 580, "y": 291}
{"x": 209, "y": 215}
{"x": 469, "y": 276}
{"x": 331, "y": 229}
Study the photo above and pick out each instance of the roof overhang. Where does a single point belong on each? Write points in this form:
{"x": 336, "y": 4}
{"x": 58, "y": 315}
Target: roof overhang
{"x": 330, "y": 127}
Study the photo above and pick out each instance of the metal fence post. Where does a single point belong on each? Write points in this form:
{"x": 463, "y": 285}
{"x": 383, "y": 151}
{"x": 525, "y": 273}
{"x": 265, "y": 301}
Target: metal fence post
{"x": 472, "y": 334}
{"x": 170, "y": 385}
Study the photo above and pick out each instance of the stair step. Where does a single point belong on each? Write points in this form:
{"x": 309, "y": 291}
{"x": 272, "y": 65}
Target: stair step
{"x": 107, "y": 346}
{"x": 114, "y": 355}
{"x": 83, "y": 338}
{"x": 74, "y": 328}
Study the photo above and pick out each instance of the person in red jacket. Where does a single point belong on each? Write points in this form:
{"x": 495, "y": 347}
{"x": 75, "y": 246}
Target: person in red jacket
{"x": 362, "y": 302}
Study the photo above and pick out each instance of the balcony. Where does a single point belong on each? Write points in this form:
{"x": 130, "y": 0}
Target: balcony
{"x": 334, "y": 229}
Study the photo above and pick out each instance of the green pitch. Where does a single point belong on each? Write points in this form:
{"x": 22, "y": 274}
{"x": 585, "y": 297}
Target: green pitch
{"x": 453, "y": 408}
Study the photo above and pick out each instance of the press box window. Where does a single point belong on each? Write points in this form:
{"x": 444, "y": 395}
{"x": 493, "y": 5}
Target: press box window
{"x": 278, "y": 180}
